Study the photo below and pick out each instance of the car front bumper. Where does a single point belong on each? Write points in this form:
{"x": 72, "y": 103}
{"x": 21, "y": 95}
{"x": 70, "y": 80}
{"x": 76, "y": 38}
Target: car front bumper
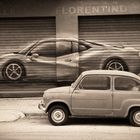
{"x": 41, "y": 106}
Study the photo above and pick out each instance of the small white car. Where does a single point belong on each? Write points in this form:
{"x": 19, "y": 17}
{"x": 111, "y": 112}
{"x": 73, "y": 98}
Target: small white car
{"x": 96, "y": 93}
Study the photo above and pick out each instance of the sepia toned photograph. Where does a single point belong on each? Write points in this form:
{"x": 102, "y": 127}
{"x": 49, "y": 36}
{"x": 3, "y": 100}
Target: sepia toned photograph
{"x": 69, "y": 69}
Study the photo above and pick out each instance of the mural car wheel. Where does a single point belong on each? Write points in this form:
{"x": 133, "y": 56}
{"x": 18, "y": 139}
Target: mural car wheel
{"x": 13, "y": 71}
{"x": 116, "y": 65}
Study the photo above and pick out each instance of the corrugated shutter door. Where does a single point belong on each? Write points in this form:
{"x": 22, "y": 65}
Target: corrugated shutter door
{"x": 123, "y": 29}
{"x": 18, "y": 32}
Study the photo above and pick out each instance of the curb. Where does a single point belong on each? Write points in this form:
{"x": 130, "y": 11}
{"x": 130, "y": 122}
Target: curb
{"x": 13, "y": 115}
{"x": 10, "y": 115}
{"x": 36, "y": 115}
{"x": 20, "y": 94}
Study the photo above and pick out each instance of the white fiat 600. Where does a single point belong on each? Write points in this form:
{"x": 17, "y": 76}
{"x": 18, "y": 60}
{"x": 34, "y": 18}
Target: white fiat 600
{"x": 96, "y": 93}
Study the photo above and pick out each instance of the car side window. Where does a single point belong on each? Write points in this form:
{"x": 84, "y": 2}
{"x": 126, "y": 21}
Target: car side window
{"x": 63, "y": 48}
{"x": 46, "y": 49}
{"x": 82, "y": 48}
{"x": 75, "y": 46}
{"x": 94, "y": 82}
{"x": 78, "y": 47}
{"x": 126, "y": 84}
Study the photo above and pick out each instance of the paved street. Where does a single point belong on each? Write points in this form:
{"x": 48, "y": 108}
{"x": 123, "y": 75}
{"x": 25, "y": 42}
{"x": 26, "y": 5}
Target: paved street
{"x": 36, "y": 128}
{"x": 35, "y": 125}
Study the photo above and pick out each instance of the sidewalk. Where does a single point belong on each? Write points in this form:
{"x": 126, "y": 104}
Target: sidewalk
{"x": 12, "y": 109}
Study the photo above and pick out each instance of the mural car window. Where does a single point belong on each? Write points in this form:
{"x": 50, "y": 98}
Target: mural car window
{"x": 47, "y": 49}
{"x": 63, "y": 48}
{"x": 75, "y": 47}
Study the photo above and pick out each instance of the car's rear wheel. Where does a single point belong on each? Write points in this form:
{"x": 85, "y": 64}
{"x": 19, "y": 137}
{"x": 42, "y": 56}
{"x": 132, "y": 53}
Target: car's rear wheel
{"x": 116, "y": 64}
{"x": 58, "y": 115}
{"x": 134, "y": 117}
{"x": 13, "y": 71}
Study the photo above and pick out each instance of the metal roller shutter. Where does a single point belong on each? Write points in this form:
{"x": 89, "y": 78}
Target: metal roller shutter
{"x": 18, "y": 32}
{"x": 124, "y": 29}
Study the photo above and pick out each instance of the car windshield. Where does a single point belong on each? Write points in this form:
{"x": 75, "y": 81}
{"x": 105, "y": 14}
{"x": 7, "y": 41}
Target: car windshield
{"x": 77, "y": 81}
{"x": 26, "y": 49}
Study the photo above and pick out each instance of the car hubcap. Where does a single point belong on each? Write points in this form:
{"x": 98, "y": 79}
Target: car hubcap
{"x": 137, "y": 117}
{"x": 13, "y": 71}
{"x": 116, "y": 66}
{"x": 58, "y": 115}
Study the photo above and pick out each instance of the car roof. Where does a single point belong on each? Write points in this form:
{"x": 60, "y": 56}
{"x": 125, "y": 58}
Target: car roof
{"x": 58, "y": 39}
{"x": 82, "y": 41}
{"x": 111, "y": 72}
{"x": 69, "y": 39}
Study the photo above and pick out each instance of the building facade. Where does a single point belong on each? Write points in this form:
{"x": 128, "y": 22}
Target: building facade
{"x": 107, "y": 21}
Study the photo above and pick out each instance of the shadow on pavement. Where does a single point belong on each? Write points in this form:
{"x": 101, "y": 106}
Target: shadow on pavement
{"x": 99, "y": 121}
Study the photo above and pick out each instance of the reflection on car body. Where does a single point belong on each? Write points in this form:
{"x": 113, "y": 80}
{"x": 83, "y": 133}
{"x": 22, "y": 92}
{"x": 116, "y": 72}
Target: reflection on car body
{"x": 64, "y": 59}
{"x": 96, "y": 93}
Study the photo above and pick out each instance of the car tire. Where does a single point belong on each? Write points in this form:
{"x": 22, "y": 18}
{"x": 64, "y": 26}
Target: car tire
{"x": 13, "y": 71}
{"x": 134, "y": 117}
{"x": 116, "y": 64}
{"x": 58, "y": 115}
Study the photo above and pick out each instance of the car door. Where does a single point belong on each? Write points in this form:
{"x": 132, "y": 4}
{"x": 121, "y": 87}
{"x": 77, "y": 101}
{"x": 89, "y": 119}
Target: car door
{"x": 67, "y": 60}
{"x": 126, "y": 92}
{"x": 42, "y": 62}
{"x": 93, "y": 96}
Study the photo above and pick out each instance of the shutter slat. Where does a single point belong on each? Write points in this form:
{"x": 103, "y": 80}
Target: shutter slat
{"x": 17, "y": 32}
{"x": 111, "y": 29}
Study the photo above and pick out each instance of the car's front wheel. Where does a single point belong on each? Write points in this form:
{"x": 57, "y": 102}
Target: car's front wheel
{"x": 13, "y": 71}
{"x": 134, "y": 117}
{"x": 116, "y": 64}
{"x": 58, "y": 115}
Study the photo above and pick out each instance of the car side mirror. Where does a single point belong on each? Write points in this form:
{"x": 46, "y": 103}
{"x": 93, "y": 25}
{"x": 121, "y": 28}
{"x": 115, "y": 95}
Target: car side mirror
{"x": 35, "y": 55}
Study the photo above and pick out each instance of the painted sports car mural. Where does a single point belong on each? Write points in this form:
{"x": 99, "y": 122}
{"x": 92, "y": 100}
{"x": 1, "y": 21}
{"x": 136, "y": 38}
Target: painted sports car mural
{"x": 64, "y": 59}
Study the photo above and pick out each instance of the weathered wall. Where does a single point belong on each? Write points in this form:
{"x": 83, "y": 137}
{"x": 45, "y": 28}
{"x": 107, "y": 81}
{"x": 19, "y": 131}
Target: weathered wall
{"x": 19, "y": 8}
{"x": 67, "y": 11}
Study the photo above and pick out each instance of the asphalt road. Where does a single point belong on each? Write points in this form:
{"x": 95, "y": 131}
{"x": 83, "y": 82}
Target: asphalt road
{"x": 36, "y": 128}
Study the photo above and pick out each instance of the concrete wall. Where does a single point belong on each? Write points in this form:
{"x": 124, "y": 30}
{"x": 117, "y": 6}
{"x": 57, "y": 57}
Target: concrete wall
{"x": 67, "y": 11}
